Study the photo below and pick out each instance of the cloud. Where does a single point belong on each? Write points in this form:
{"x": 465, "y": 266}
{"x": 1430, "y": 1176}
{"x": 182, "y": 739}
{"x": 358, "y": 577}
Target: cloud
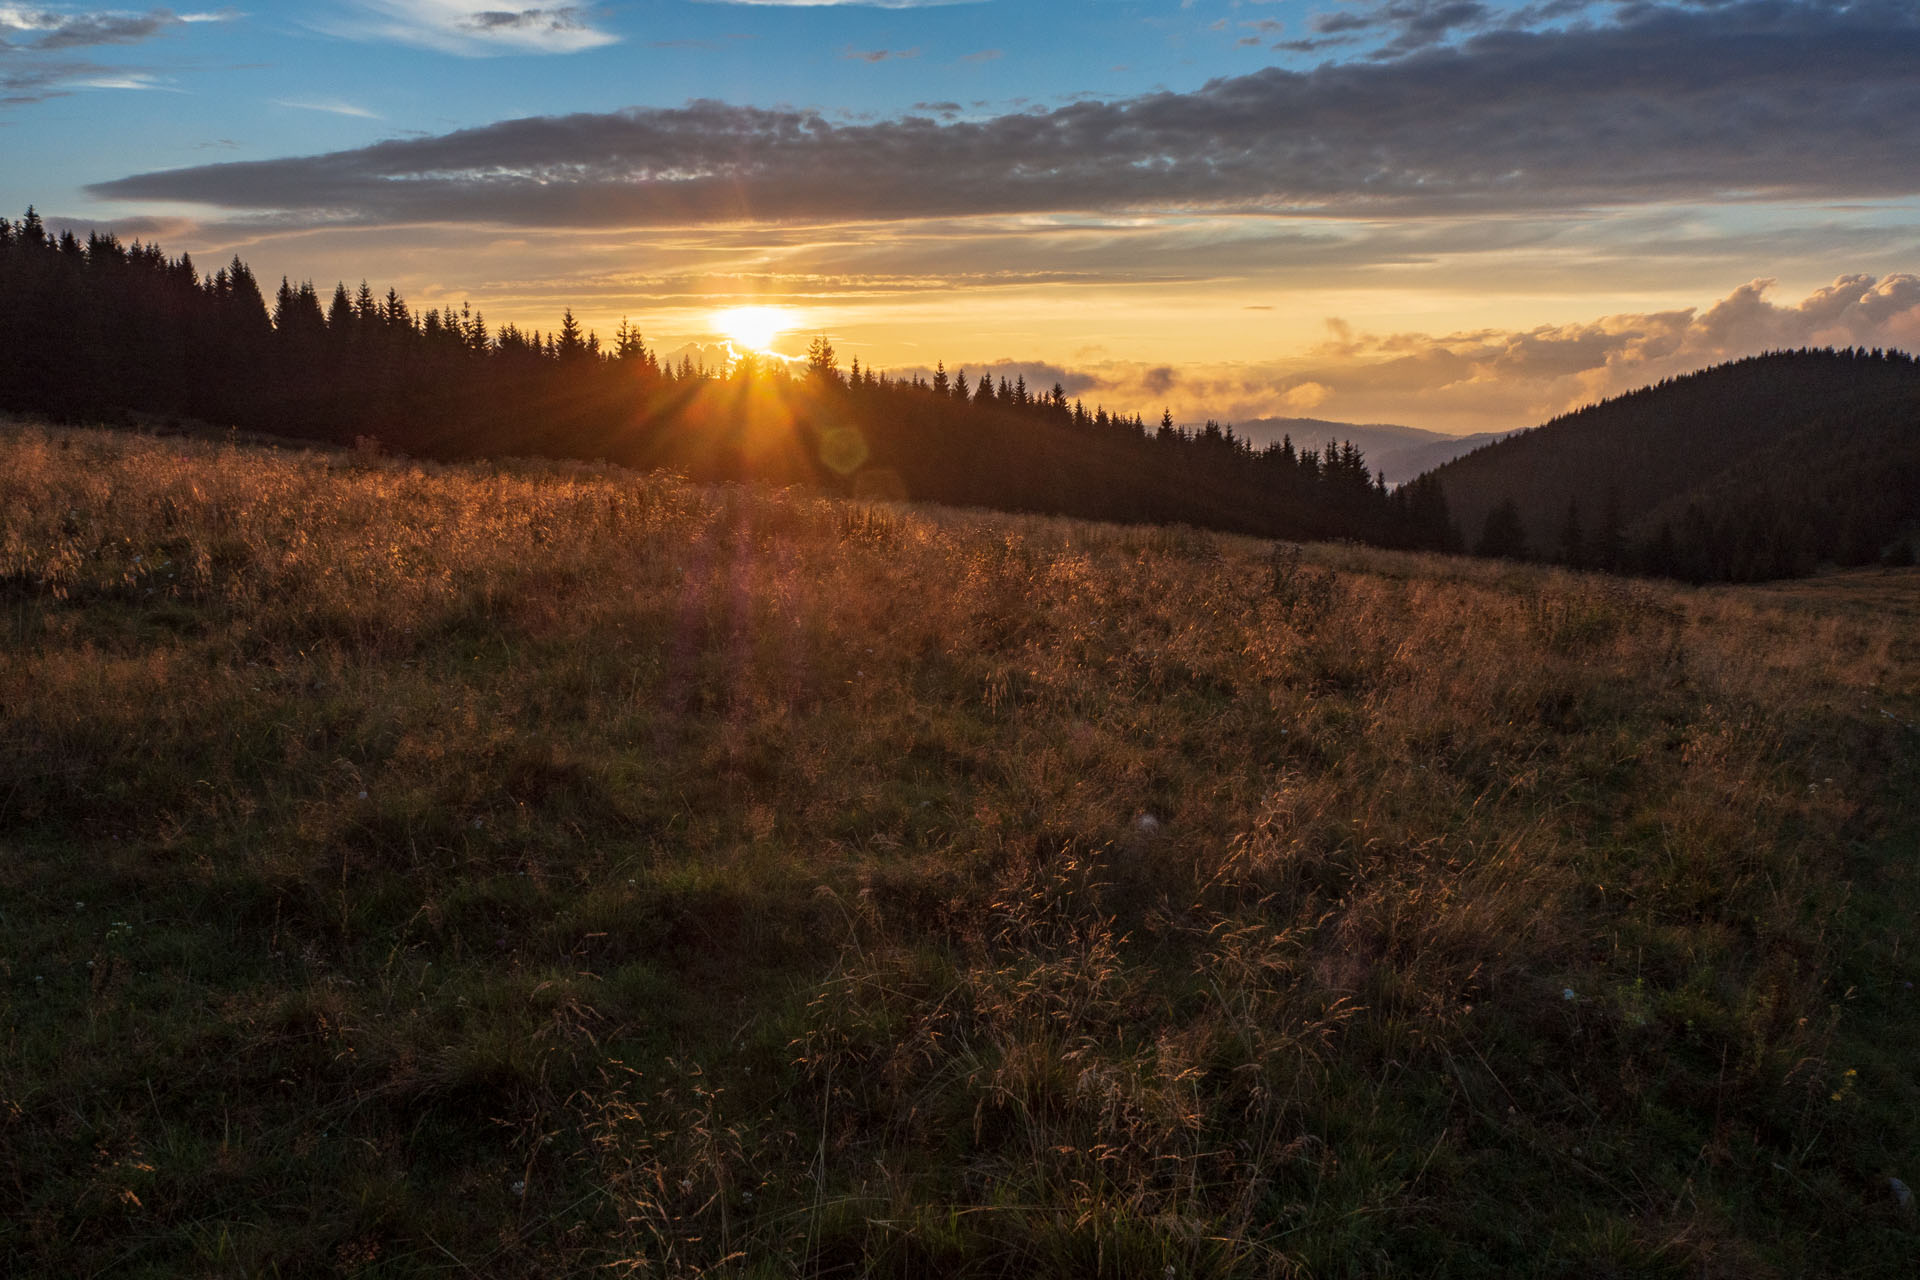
{"x": 1493, "y": 379}
{"x": 37, "y": 47}
{"x": 20, "y": 85}
{"x": 1392, "y": 28}
{"x": 1403, "y": 26}
{"x": 458, "y": 27}
{"x": 1304, "y": 396}
{"x": 1755, "y": 100}
{"x": 879, "y": 55}
{"x": 136, "y": 80}
{"x": 153, "y": 229}
{"x": 36, "y": 80}
{"x": 1503, "y": 379}
{"x": 332, "y": 106}
{"x": 54, "y": 30}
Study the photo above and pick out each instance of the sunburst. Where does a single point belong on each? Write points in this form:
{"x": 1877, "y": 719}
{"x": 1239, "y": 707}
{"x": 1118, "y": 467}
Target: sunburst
{"x": 754, "y": 328}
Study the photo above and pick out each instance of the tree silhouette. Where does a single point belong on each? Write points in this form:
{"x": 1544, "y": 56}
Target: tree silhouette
{"x": 823, "y": 363}
{"x": 569, "y": 345}
{"x": 1503, "y": 536}
{"x": 1573, "y": 544}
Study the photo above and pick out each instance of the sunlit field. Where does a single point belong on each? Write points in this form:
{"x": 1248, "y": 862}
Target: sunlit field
{"x": 542, "y": 870}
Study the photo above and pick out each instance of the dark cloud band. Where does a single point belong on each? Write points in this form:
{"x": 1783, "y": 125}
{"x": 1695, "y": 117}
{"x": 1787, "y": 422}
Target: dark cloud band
{"x": 1764, "y": 99}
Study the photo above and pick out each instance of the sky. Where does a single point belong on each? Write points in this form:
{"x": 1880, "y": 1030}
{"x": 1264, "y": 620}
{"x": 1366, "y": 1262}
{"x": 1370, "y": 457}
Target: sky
{"x": 1464, "y": 215}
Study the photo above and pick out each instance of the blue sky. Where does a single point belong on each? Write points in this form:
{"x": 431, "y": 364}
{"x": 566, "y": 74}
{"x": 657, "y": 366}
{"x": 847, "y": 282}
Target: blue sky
{"x": 1462, "y": 214}
{"x": 273, "y": 80}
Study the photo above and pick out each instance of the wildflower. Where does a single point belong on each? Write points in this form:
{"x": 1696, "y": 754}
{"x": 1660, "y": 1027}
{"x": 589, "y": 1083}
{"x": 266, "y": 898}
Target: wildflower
{"x": 1569, "y": 994}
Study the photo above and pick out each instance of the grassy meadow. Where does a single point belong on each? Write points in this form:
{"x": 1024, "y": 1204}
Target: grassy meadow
{"x": 550, "y": 871}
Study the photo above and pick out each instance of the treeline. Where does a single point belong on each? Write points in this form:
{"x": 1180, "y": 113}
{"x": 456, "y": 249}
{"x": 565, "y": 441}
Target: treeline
{"x": 100, "y": 331}
{"x": 1768, "y": 467}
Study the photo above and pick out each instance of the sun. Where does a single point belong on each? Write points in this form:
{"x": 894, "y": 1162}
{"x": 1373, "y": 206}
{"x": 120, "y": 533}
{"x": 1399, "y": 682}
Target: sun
{"x": 752, "y": 327}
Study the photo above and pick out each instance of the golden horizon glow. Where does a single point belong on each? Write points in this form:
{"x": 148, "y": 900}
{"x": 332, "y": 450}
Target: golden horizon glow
{"x": 1468, "y": 344}
{"x": 753, "y": 327}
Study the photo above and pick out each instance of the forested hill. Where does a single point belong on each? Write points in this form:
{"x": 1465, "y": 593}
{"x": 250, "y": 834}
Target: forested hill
{"x": 95, "y": 331}
{"x": 1763, "y": 468}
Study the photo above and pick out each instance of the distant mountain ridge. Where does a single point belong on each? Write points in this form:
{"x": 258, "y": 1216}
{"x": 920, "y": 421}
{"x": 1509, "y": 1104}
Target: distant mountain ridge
{"x": 1398, "y": 452}
{"x": 1765, "y": 467}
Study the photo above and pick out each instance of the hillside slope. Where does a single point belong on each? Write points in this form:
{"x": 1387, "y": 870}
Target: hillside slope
{"x": 543, "y": 869}
{"x": 1761, "y": 468}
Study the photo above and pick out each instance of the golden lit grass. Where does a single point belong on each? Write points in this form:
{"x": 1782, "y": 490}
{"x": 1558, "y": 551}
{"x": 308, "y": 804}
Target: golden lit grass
{"x": 532, "y": 870}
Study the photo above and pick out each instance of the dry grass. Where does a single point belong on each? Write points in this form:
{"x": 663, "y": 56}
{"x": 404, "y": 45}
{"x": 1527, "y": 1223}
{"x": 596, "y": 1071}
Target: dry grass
{"x": 539, "y": 870}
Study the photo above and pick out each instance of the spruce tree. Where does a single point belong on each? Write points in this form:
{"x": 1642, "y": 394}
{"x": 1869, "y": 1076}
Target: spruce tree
{"x": 823, "y": 362}
{"x": 340, "y": 311}
{"x": 1573, "y": 546}
{"x": 568, "y": 344}
{"x": 1503, "y": 536}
